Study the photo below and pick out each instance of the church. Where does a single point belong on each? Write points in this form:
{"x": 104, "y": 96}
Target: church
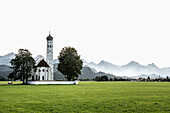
{"x": 44, "y": 70}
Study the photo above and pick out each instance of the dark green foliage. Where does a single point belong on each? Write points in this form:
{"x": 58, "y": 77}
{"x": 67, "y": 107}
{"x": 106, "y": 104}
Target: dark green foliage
{"x": 11, "y": 76}
{"x": 2, "y": 78}
{"x": 167, "y": 78}
{"x": 70, "y": 64}
{"x": 101, "y": 78}
{"x": 23, "y": 65}
{"x": 148, "y": 78}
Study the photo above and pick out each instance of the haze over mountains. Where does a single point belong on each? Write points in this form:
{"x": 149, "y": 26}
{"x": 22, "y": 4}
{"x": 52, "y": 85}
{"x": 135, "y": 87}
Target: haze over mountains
{"x": 91, "y": 70}
{"x": 131, "y": 69}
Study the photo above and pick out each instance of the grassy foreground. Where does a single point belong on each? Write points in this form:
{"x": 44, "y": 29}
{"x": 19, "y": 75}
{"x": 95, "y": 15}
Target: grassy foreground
{"x": 87, "y": 97}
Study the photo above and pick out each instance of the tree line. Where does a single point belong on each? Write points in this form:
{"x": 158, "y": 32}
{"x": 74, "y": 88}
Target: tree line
{"x": 105, "y": 78}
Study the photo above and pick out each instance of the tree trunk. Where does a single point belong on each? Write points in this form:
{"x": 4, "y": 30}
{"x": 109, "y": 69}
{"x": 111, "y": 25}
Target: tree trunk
{"x": 23, "y": 78}
{"x": 26, "y": 79}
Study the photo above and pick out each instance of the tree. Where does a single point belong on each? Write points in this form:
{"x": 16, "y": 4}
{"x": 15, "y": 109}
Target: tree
{"x": 104, "y": 78}
{"x": 23, "y": 65}
{"x": 2, "y": 78}
{"x": 101, "y": 78}
{"x": 148, "y": 78}
{"x": 167, "y": 78}
{"x": 70, "y": 64}
{"x": 11, "y": 76}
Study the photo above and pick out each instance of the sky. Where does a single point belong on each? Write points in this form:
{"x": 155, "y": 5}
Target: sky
{"x": 117, "y": 31}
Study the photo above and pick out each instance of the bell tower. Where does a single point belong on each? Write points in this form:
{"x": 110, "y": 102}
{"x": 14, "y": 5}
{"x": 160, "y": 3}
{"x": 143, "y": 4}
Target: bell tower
{"x": 49, "y": 55}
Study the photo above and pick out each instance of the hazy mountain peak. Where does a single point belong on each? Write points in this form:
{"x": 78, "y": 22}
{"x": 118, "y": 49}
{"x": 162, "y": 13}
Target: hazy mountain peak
{"x": 133, "y": 63}
{"x": 92, "y": 63}
{"x": 152, "y": 65}
{"x": 9, "y": 55}
{"x": 5, "y": 60}
{"x": 38, "y": 59}
{"x": 104, "y": 63}
{"x": 84, "y": 62}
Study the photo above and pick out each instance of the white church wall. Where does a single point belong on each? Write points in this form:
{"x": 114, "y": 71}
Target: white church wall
{"x": 42, "y": 73}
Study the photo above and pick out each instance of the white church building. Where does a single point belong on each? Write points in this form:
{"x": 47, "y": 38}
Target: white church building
{"x": 44, "y": 73}
{"x": 44, "y": 70}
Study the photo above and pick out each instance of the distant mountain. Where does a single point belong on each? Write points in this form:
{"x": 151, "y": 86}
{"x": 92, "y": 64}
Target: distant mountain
{"x": 90, "y": 70}
{"x": 5, "y": 71}
{"x": 5, "y": 60}
{"x": 103, "y": 66}
{"x": 38, "y": 59}
{"x": 131, "y": 69}
{"x": 87, "y": 73}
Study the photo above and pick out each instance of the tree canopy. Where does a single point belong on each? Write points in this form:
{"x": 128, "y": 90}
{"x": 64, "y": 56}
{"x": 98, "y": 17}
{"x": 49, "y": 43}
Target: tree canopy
{"x": 23, "y": 65}
{"x": 70, "y": 64}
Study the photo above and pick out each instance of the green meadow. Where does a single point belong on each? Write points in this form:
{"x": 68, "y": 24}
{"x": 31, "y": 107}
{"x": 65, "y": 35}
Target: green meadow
{"x": 86, "y": 97}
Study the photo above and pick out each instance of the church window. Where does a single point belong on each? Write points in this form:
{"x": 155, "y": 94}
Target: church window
{"x": 42, "y": 77}
{"x": 47, "y": 70}
{"x": 39, "y": 70}
{"x": 50, "y": 46}
{"x": 43, "y": 70}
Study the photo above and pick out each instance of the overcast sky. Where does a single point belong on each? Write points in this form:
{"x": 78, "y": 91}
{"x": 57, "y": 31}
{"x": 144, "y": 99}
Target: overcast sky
{"x": 117, "y": 31}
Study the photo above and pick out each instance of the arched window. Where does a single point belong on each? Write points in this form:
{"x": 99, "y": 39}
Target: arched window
{"x": 50, "y": 46}
{"x": 43, "y": 70}
{"x": 39, "y": 70}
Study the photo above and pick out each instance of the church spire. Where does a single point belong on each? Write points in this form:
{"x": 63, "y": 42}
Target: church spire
{"x": 49, "y": 33}
{"x": 49, "y": 37}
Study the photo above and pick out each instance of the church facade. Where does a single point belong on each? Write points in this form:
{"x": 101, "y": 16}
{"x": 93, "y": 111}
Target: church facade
{"x": 45, "y": 68}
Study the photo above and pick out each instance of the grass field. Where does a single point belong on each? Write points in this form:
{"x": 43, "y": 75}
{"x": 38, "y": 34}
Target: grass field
{"x": 86, "y": 97}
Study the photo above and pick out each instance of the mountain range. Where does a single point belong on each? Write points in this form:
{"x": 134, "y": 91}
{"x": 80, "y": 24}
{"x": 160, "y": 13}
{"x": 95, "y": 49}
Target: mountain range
{"x": 131, "y": 69}
{"x": 91, "y": 70}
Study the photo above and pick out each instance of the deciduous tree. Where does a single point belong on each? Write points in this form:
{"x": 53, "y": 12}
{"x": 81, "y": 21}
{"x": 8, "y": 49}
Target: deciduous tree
{"x": 70, "y": 64}
{"x": 23, "y": 65}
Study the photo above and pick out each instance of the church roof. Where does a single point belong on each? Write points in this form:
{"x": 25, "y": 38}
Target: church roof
{"x": 43, "y": 63}
{"x": 49, "y": 37}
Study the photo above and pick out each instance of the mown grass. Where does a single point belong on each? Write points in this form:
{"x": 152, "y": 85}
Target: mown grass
{"x": 87, "y": 97}
{"x": 13, "y": 82}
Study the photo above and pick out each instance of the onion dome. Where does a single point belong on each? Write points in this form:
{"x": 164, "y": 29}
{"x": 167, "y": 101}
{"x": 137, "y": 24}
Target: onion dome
{"x": 49, "y": 37}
